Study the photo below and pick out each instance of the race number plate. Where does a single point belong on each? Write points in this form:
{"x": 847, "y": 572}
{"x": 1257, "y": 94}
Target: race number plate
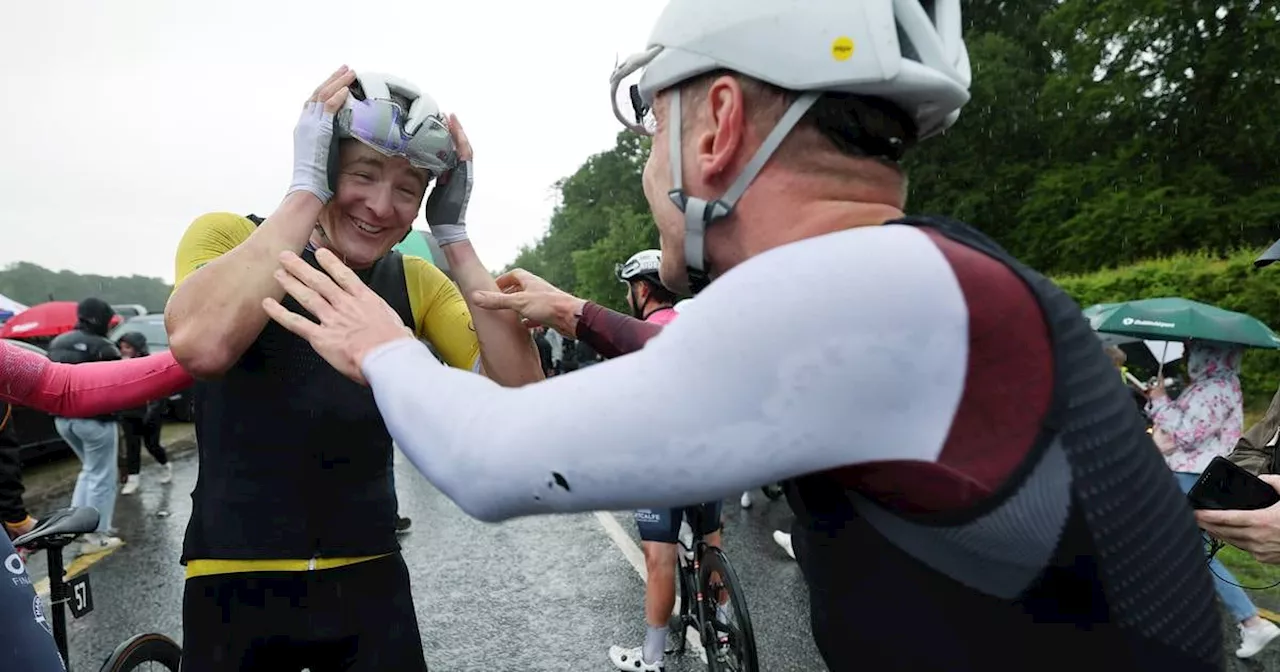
{"x": 80, "y": 595}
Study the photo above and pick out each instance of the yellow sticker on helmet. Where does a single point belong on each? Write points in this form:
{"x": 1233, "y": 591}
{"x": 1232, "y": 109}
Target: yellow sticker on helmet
{"x": 842, "y": 48}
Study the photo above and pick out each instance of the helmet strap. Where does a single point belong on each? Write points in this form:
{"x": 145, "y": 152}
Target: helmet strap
{"x": 324, "y": 235}
{"x": 699, "y": 213}
{"x": 637, "y": 310}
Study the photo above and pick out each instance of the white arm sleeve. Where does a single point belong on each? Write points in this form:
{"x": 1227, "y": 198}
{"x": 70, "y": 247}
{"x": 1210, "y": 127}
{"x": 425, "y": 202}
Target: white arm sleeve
{"x": 844, "y": 349}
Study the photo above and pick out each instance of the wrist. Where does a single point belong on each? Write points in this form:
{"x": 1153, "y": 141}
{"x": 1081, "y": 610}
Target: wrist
{"x": 364, "y": 356}
{"x": 298, "y": 211}
{"x": 448, "y": 234}
{"x": 568, "y": 313}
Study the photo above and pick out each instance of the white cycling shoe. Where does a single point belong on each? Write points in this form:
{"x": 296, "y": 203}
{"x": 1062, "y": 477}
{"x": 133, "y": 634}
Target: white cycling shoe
{"x": 632, "y": 659}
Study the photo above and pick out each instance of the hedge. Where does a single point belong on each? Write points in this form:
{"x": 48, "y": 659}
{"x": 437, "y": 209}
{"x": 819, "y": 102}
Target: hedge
{"x": 1229, "y": 282}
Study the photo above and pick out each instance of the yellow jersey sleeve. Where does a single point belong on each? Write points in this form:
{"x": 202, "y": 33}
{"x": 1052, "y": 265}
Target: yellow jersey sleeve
{"x": 440, "y": 314}
{"x": 208, "y": 238}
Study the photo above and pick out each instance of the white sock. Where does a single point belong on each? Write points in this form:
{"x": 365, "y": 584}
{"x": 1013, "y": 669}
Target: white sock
{"x": 655, "y": 644}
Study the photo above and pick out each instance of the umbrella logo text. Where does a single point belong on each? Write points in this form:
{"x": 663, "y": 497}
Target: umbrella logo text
{"x": 1131, "y": 322}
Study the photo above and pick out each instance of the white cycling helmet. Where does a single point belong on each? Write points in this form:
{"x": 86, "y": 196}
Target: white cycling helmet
{"x": 395, "y": 118}
{"x": 641, "y": 264}
{"x": 908, "y": 52}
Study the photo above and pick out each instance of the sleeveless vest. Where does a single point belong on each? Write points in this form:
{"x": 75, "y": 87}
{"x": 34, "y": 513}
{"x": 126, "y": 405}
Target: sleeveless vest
{"x": 1111, "y": 575}
{"x": 294, "y": 457}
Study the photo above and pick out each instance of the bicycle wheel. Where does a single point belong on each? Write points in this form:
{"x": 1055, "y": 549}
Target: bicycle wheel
{"x": 732, "y": 644}
{"x": 150, "y": 651}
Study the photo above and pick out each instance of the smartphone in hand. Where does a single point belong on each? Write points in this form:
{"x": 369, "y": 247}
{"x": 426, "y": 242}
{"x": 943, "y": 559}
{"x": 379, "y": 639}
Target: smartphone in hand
{"x": 1226, "y": 486}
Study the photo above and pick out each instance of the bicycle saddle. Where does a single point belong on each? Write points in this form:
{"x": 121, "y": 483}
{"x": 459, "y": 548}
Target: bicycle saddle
{"x": 60, "y": 528}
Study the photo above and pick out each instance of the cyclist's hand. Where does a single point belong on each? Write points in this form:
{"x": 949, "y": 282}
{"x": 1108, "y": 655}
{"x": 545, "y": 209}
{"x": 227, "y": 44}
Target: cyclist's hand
{"x": 353, "y": 319}
{"x": 313, "y": 135}
{"x": 537, "y": 301}
{"x": 446, "y": 209}
{"x": 1257, "y": 532}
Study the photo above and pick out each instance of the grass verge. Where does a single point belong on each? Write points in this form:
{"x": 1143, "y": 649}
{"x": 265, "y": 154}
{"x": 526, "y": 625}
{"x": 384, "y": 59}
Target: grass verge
{"x": 1250, "y": 574}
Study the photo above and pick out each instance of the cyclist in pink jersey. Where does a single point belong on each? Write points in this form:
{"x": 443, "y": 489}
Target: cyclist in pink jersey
{"x": 84, "y": 390}
{"x": 652, "y": 302}
{"x": 647, "y": 297}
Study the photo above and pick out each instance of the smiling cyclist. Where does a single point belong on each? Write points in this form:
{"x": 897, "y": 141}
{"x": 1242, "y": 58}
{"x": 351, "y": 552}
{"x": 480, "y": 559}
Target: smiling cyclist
{"x": 291, "y": 553}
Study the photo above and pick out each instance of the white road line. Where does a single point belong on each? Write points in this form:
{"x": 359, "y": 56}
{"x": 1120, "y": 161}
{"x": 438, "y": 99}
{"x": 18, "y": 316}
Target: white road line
{"x": 635, "y": 556}
{"x": 629, "y": 549}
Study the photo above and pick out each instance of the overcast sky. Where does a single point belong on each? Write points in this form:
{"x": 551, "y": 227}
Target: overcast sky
{"x": 125, "y": 120}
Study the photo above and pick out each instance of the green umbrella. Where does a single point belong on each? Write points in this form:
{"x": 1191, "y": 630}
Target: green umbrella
{"x": 1177, "y": 319}
{"x": 1096, "y": 308}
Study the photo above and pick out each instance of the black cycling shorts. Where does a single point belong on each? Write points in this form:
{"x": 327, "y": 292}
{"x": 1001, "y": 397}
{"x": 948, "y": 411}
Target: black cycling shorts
{"x": 352, "y": 618}
{"x": 663, "y": 525}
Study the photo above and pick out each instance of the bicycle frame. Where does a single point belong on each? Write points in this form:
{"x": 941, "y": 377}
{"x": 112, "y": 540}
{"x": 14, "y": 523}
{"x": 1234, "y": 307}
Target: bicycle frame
{"x": 125, "y": 656}
{"x": 58, "y": 598}
{"x": 54, "y": 534}
{"x": 690, "y": 569}
{"x": 718, "y": 587}
{"x": 691, "y": 581}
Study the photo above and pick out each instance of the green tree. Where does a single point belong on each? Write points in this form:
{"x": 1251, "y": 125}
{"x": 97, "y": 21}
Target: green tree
{"x": 629, "y": 233}
{"x": 599, "y": 208}
{"x": 32, "y": 284}
{"x": 1099, "y": 133}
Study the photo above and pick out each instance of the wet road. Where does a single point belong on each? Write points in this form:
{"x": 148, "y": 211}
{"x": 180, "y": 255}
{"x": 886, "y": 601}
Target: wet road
{"x": 549, "y": 593}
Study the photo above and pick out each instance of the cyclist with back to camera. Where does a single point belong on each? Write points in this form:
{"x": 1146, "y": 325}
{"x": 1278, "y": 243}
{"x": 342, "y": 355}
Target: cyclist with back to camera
{"x": 960, "y": 504}
{"x": 659, "y": 528}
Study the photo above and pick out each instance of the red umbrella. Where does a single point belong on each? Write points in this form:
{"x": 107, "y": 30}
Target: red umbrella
{"x": 44, "y": 320}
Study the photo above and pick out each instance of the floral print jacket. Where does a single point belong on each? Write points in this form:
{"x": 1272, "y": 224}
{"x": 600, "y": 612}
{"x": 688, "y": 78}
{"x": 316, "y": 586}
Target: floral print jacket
{"x": 1207, "y": 419}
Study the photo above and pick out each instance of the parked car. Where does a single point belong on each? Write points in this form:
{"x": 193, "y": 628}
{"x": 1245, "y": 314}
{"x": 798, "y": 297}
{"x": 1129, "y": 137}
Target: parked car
{"x": 30, "y": 430}
{"x": 129, "y": 310}
{"x": 181, "y": 405}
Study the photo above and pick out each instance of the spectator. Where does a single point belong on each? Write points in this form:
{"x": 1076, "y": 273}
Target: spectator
{"x": 141, "y": 425}
{"x": 1203, "y": 423}
{"x": 585, "y": 354}
{"x": 568, "y": 362}
{"x": 1119, "y": 358}
{"x": 96, "y": 440}
{"x": 544, "y": 350}
{"x": 1257, "y": 532}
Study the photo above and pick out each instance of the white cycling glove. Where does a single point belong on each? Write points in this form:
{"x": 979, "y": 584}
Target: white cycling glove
{"x": 312, "y": 138}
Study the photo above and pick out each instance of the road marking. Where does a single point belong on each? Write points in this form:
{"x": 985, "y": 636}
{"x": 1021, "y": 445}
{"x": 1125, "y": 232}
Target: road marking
{"x": 76, "y": 567}
{"x": 635, "y": 556}
{"x": 1268, "y": 614}
{"x": 629, "y": 549}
